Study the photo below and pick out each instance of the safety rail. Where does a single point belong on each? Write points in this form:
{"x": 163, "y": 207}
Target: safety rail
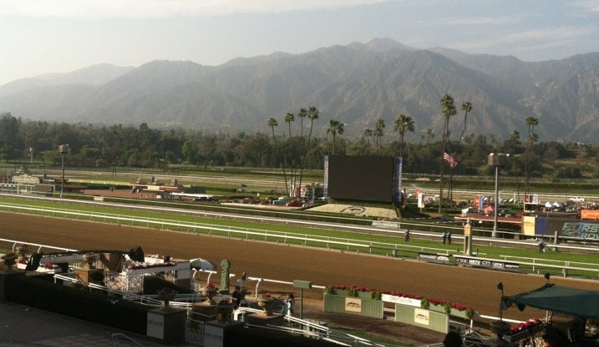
{"x": 347, "y": 244}
{"x": 563, "y": 265}
{"x": 115, "y": 339}
{"x": 313, "y": 329}
{"x": 274, "y": 236}
{"x": 304, "y": 239}
{"x": 195, "y": 326}
{"x": 39, "y": 246}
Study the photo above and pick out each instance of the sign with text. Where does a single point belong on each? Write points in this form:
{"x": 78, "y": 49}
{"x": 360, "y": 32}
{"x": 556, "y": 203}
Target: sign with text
{"x": 434, "y": 258}
{"x": 401, "y": 300}
{"x": 487, "y": 263}
{"x": 214, "y": 336}
{"x": 589, "y": 214}
{"x": 583, "y": 230}
{"x": 155, "y": 325}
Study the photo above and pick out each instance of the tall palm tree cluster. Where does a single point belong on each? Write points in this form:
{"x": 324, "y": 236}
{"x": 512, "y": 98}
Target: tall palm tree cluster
{"x": 293, "y": 163}
{"x": 529, "y": 154}
{"x": 296, "y": 148}
{"x": 448, "y": 109}
{"x": 401, "y": 124}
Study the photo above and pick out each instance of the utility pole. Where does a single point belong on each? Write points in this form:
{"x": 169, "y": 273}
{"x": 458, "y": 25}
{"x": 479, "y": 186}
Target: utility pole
{"x": 62, "y": 149}
{"x": 497, "y": 161}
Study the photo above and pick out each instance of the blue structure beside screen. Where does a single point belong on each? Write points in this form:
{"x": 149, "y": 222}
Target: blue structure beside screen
{"x": 325, "y": 186}
{"x": 397, "y": 196}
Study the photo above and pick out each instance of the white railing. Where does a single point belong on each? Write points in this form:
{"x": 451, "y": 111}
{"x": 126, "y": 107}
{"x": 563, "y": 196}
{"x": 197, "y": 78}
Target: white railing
{"x": 284, "y": 237}
{"x": 114, "y": 338}
{"x": 39, "y": 246}
{"x": 194, "y": 227}
{"x": 247, "y": 233}
{"x": 564, "y": 265}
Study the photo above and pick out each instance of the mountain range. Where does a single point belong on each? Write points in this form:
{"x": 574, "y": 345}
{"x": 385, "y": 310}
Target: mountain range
{"x": 356, "y": 84}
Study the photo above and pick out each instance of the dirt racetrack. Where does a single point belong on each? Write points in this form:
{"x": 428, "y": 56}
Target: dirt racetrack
{"x": 475, "y": 288}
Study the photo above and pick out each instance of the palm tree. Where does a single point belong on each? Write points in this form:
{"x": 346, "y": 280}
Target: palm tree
{"x": 448, "y": 109}
{"x": 313, "y": 114}
{"x": 402, "y": 124}
{"x": 289, "y": 117}
{"x": 379, "y": 126}
{"x": 531, "y": 122}
{"x": 533, "y": 137}
{"x": 466, "y": 107}
{"x": 335, "y": 128}
{"x": 430, "y": 135}
{"x": 272, "y": 123}
{"x": 303, "y": 113}
{"x": 367, "y": 135}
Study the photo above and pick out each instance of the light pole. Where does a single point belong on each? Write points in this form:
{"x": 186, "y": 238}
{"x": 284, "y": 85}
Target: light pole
{"x": 62, "y": 149}
{"x": 496, "y": 160}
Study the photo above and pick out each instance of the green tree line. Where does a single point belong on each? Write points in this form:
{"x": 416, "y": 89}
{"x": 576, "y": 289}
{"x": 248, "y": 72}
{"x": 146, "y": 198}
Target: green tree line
{"x": 292, "y": 147}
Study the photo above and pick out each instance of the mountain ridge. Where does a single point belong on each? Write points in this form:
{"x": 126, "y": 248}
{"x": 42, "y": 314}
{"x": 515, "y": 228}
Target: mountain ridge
{"x": 355, "y": 84}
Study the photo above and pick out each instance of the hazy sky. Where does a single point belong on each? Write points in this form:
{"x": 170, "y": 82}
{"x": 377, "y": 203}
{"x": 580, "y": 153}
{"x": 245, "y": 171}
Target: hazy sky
{"x": 44, "y": 36}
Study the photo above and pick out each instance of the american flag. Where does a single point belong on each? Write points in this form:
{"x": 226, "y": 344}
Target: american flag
{"x": 448, "y": 158}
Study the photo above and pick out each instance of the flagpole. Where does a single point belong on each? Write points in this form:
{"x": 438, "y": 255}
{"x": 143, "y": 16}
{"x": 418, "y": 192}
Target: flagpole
{"x": 441, "y": 184}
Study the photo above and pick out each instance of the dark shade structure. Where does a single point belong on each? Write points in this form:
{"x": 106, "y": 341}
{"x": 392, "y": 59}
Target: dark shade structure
{"x": 575, "y": 302}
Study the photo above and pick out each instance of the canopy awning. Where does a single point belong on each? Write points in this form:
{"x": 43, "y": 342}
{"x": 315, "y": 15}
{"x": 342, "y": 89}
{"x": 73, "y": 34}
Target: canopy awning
{"x": 575, "y": 302}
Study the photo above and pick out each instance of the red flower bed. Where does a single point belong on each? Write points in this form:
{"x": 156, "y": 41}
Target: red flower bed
{"x": 531, "y": 323}
{"x": 49, "y": 266}
{"x": 438, "y": 302}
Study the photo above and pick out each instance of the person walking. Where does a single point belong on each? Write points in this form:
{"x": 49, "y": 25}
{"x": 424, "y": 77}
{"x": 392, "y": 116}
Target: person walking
{"x": 288, "y": 307}
{"x": 242, "y": 290}
{"x": 449, "y": 237}
{"x": 407, "y": 234}
{"x": 541, "y": 245}
{"x": 237, "y": 298}
{"x": 444, "y": 236}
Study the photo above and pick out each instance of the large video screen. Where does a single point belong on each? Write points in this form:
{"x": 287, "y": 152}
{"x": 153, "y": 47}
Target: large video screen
{"x": 368, "y": 178}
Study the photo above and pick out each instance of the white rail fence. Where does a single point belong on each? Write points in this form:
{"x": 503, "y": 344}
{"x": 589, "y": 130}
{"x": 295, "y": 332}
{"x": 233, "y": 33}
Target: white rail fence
{"x": 347, "y": 244}
{"x": 368, "y": 247}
